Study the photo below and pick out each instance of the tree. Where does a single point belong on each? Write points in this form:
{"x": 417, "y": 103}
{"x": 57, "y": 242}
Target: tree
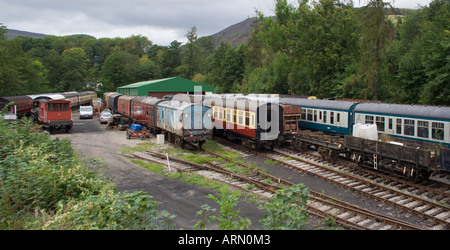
{"x": 19, "y": 75}
{"x": 74, "y": 70}
{"x": 191, "y": 58}
{"x": 376, "y": 41}
{"x": 2, "y": 31}
{"x": 423, "y": 49}
{"x": 227, "y": 68}
{"x": 52, "y": 62}
{"x": 147, "y": 70}
{"x": 119, "y": 69}
{"x": 169, "y": 58}
{"x": 137, "y": 45}
{"x": 309, "y": 46}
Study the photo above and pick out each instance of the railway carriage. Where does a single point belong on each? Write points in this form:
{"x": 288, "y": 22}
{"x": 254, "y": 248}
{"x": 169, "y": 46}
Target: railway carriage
{"x": 85, "y": 98}
{"x": 183, "y": 122}
{"x": 21, "y": 105}
{"x": 124, "y": 105}
{"x": 324, "y": 115}
{"x": 412, "y": 122}
{"x": 112, "y": 100}
{"x": 55, "y": 114}
{"x": 143, "y": 111}
{"x": 72, "y": 97}
{"x": 37, "y": 99}
{"x": 256, "y": 123}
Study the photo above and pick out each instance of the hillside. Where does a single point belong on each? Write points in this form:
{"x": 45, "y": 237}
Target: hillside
{"x": 12, "y": 33}
{"x": 236, "y": 34}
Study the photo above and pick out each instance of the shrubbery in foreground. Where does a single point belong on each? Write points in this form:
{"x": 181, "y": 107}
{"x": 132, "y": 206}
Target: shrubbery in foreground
{"x": 43, "y": 185}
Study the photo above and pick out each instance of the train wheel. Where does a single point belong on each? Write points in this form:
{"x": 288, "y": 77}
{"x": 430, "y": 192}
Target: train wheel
{"x": 333, "y": 155}
{"x": 303, "y": 146}
{"x": 323, "y": 152}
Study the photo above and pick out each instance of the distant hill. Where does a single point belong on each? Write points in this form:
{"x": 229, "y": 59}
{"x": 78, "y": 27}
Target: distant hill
{"x": 236, "y": 34}
{"x": 11, "y": 34}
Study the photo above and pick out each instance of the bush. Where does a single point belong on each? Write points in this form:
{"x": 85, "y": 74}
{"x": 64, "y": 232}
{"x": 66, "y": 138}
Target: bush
{"x": 43, "y": 185}
{"x": 287, "y": 209}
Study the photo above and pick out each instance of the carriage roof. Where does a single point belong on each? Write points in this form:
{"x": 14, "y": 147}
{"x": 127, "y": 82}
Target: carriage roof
{"x": 405, "y": 110}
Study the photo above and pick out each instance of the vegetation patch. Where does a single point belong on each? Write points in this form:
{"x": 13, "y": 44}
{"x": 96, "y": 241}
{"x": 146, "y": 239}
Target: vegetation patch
{"x": 44, "y": 185}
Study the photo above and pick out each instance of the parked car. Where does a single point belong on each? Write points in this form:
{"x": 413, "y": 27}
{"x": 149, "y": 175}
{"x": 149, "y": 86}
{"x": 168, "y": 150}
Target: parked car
{"x": 86, "y": 112}
{"x": 104, "y": 117}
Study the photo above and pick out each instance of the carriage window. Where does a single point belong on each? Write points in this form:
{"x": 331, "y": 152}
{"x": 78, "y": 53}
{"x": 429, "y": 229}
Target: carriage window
{"x": 437, "y": 131}
{"x": 409, "y": 127}
{"x": 50, "y": 107}
{"x": 331, "y": 117}
{"x": 390, "y": 124}
{"x": 310, "y": 115}
{"x": 369, "y": 119}
{"x": 303, "y": 114}
{"x": 253, "y": 120}
{"x": 220, "y": 114}
{"x": 234, "y": 116}
{"x": 399, "y": 126}
{"x": 422, "y": 129}
{"x": 247, "y": 119}
{"x": 320, "y": 115}
{"x": 241, "y": 117}
{"x": 338, "y": 117}
{"x": 229, "y": 115}
{"x": 315, "y": 115}
{"x": 325, "y": 116}
{"x": 215, "y": 112}
{"x": 380, "y": 123}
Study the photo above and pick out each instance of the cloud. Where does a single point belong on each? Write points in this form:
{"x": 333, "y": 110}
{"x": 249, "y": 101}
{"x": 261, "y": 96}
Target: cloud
{"x": 162, "y": 21}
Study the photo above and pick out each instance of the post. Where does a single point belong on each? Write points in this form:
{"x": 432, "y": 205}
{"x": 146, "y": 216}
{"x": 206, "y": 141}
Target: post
{"x": 168, "y": 162}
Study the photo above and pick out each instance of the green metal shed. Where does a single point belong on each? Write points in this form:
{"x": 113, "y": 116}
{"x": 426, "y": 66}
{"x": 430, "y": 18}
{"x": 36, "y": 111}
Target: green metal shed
{"x": 160, "y": 88}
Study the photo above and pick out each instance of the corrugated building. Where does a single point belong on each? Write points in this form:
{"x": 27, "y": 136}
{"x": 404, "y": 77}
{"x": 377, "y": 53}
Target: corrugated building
{"x": 162, "y": 87}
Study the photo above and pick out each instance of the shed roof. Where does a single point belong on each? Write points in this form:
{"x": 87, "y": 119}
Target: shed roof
{"x": 173, "y": 84}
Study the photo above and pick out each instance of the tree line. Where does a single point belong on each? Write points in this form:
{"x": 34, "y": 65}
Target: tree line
{"x": 324, "y": 48}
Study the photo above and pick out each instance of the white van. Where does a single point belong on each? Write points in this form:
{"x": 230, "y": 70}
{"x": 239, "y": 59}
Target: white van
{"x": 86, "y": 112}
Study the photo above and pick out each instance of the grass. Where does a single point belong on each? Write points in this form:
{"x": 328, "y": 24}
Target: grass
{"x": 214, "y": 147}
{"x": 195, "y": 157}
{"x": 270, "y": 162}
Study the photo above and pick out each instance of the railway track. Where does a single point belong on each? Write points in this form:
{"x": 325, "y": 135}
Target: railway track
{"x": 433, "y": 190}
{"x": 319, "y": 205}
{"x": 437, "y": 213}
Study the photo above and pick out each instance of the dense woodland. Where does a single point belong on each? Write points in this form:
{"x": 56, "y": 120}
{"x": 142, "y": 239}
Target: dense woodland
{"x": 324, "y": 48}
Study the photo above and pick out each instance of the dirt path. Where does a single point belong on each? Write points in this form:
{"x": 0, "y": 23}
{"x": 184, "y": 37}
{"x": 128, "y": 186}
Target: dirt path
{"x": 91, "y": 139}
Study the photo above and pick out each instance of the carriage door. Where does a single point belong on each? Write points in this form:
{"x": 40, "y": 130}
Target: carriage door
{"x": 390, "y": 128}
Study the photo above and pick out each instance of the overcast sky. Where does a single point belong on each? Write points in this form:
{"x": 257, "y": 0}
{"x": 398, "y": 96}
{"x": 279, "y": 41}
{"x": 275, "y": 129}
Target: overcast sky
{"x": 161, "y": 21}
